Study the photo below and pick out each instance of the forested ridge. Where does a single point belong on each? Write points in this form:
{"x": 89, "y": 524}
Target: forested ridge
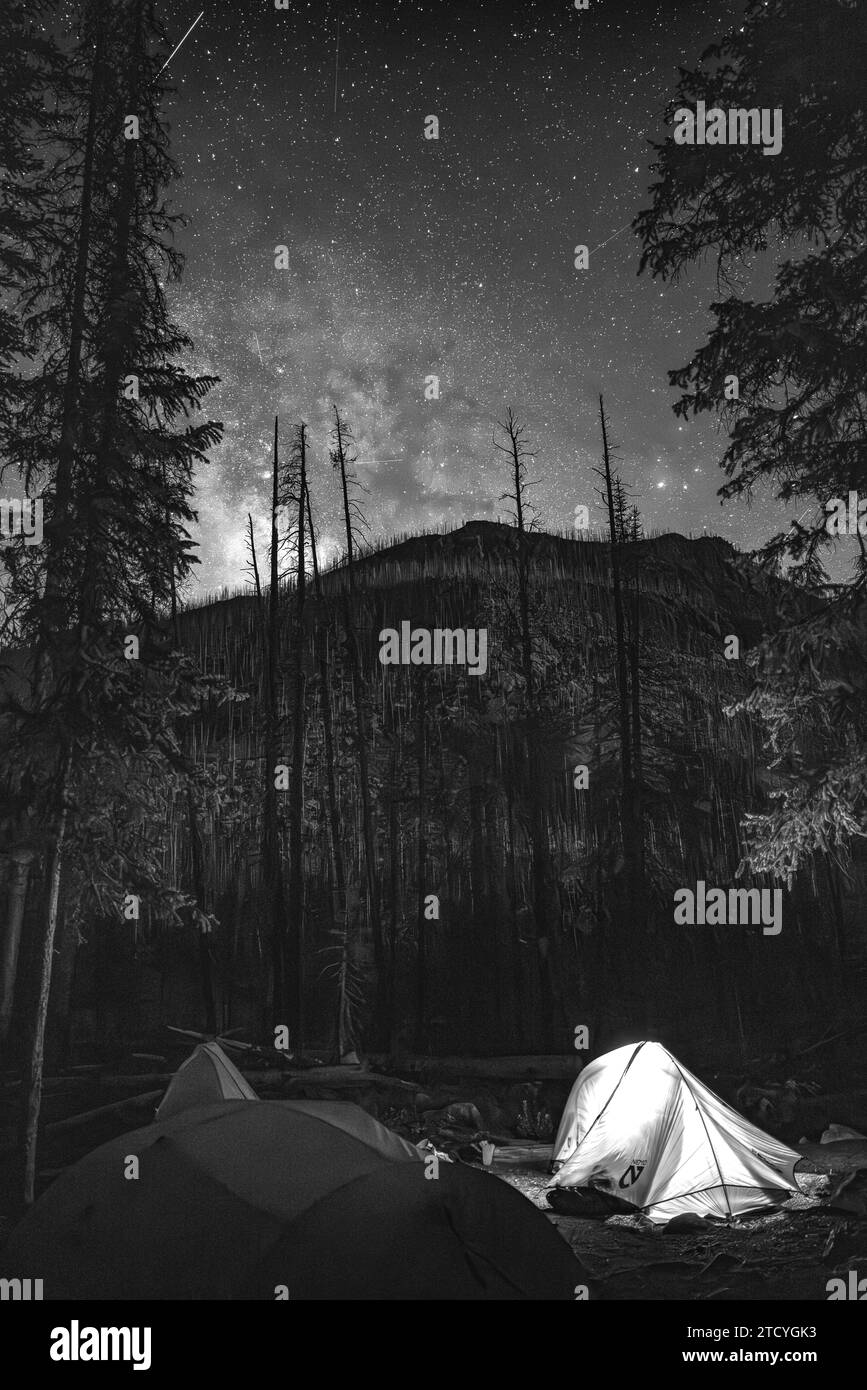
{"x": 450, "y": 784}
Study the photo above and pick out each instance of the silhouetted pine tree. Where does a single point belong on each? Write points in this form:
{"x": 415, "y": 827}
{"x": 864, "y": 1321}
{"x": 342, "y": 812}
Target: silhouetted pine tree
{"x": 110, "y": 395}
{"x": 29, "y": 63}
{"x": 798, "y": 419}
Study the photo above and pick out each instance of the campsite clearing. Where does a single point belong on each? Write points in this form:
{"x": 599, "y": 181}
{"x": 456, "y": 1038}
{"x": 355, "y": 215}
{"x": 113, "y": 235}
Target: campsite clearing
{"x": 766, "y": 1257}
{"x": 773, "y": 1256}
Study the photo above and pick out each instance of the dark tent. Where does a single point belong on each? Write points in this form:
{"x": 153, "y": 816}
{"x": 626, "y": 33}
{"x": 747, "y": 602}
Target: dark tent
{"x": 204, "y": 1078}
{"x": 237, "y": 1200}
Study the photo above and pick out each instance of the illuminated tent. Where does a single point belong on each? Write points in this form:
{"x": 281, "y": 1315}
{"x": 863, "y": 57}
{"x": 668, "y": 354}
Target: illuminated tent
{"x": 638, "y": 1125}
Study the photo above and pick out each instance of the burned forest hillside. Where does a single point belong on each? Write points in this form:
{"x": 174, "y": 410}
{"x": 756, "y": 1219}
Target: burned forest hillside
{"x": 510, "y": 902}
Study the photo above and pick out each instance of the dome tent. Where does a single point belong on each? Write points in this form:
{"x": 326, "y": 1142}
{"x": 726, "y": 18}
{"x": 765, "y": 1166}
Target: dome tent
{"x": 240, "y": 1200}
{"x": 205, "y": 1076}
{"x": 637, "y": 1124}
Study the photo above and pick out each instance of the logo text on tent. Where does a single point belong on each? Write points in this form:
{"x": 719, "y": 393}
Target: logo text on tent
{"x": 633, "y": 1172}
{"x": 714, "y": 907}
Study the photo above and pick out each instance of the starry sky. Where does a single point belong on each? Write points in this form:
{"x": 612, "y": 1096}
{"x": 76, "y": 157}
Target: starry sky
{"x": 455, "y": 257}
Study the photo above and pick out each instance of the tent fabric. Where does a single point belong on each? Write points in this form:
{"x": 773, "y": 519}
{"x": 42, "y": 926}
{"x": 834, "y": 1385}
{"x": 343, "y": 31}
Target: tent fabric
{"x": 236, "y": 1201}
{"x": 641, "y": 1126}
{"x": 353, "y": 1120}
{"x": 206, "y": 1076}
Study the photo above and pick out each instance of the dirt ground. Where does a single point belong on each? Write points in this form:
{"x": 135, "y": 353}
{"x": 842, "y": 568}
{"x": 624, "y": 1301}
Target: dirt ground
{"x": 777, "y": 1256}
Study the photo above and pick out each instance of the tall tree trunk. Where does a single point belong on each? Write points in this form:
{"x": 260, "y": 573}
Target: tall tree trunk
{"x": 56, "y": 534}
{"x": 58, "y": 1032}
{"x": 358, "y": 695}
{"x": 206, "y": 964}
{"x": 16, "y": 901}
{"x": 253, "y": 560}
{"x": 545, "y": 913}
{"x": 233, "y": 935}
{"x": 272, "y": 870}
{"x": 482, "y": 962}
{"x": 508, "y": 763}
{"x": 358, "y": 698}
{"x": 346, "y": 1042}
{"x": 113, "y": 366}
{"x": 32, "y": 1074}
{"x": 626, "y": 800}
{"x": 421, "y": 869}
{"x": 637, "y": 887}
{"x": 50, "y": 617}
{"x": 296, "y": 789}
{"x": 390, "y": 980}
{"x": 50, "y": 624}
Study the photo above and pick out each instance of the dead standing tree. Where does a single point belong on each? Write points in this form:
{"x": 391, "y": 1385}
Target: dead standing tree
{"x": 622, "y": 523}
{"x": 347, "y": 989}
{"x": 272, "y": 866}
{"x": 286, "y": 902}
{"x": 252, "y": 563}
{"x": 298, "y": 494}
{"x": 546, "y": 910}
{"x": 343, "y": 458}
{"x": 421, "y": 996}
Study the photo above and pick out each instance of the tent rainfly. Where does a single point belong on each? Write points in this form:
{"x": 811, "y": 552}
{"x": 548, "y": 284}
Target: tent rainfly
{"x": 306, "y": 1199}
{"x": 205, "y": 1077}
{"x": 639, "y": 1125}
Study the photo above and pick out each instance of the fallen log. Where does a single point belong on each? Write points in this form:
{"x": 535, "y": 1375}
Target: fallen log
{"x": 538, "y": 1068}
{"x": 335, "y": 1077}
{"x": 101, "y": 1112}
{"x": 313, "y": 1076}
{"x": 134, "y": 1081}
{"x": 57, "y": 1085}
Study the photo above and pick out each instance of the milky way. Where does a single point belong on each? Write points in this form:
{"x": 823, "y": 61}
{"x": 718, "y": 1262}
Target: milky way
{"x": 413, "y": 257}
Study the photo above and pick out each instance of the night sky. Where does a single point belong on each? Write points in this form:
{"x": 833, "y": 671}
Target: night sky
{"x": 453, "y": 257}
